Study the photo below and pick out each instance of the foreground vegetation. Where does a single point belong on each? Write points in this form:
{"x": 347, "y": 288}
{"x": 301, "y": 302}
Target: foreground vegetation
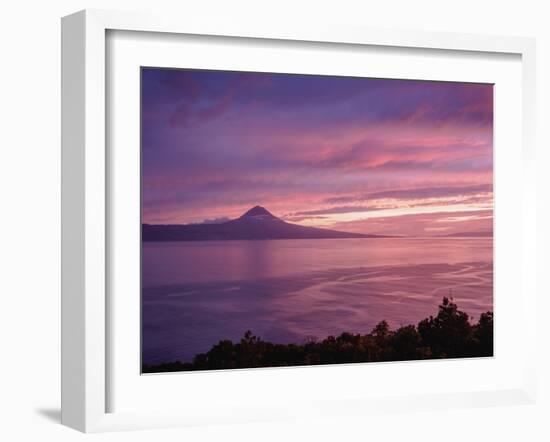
{"x": 447, "y": 335}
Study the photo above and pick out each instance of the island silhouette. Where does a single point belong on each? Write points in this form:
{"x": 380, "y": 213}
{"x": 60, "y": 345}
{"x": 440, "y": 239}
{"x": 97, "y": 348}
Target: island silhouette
{"x": 255, "y": 224}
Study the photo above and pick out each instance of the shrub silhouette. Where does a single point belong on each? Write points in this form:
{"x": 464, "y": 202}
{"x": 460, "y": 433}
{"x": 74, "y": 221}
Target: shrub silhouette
{"x": 483, "y": 334}
{"x": 447, "y": 335}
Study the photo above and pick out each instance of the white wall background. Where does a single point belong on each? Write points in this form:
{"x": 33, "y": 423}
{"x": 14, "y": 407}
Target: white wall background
{"x": 30, "y": 216}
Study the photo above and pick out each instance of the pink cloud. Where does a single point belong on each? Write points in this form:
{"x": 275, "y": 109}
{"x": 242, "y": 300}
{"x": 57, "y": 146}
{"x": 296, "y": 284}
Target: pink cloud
{"x": 432, "y": 224}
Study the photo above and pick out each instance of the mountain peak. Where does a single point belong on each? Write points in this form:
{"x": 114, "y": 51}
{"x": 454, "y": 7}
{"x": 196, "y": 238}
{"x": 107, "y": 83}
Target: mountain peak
{"x": 257, "y": 212}
{"x": 255, "y": 224}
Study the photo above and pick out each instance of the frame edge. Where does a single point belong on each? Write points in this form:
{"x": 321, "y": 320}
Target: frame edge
{"x": 83, "y": 185}
{"x": 73, "y": 80}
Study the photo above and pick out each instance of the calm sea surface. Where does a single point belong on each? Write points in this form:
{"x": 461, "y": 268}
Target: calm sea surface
{"x": 197, "y": 293}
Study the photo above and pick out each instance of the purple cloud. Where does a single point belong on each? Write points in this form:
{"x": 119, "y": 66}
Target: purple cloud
{"x": 214, "y": 142}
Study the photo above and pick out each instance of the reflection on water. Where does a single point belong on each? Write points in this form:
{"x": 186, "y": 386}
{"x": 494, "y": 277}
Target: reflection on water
{"x": 196, "y": 293}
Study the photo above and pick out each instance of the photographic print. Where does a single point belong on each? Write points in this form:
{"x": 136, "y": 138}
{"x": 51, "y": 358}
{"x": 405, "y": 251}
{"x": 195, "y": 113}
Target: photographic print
{"x": 294, "y": 220}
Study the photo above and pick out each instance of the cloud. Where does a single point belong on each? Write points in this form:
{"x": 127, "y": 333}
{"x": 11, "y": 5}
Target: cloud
{"x": 415, "y": 193}
{"x": 310, "y": 146}
{"x": 188, "y": 113}
{"x": 181, "y": 116}
{"x": 219, "y": 220}
{"x": 298, "y": 218}
{"x": 334, "y": 210}
{"x": 431, "y": 192}
{"x": 423, "y": 224}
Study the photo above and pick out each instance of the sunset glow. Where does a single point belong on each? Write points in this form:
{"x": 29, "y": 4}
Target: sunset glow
{"x": 397, "y": 157}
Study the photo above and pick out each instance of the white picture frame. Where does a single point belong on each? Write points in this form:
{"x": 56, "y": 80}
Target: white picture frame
{"x": 86, "y": 352}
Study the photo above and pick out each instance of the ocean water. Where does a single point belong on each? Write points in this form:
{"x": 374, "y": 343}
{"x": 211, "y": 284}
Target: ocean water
{"x": 196, "y": 293}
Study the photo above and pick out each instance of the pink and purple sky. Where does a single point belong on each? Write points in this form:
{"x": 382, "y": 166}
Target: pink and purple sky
{"x": 398, "y": 157}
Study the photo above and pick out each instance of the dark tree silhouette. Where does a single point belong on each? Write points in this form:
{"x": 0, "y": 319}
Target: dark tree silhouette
{"x": 447, "y": 335}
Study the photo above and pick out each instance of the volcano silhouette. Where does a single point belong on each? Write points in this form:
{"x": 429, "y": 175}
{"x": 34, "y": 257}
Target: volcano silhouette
{"x": 256, "y": 224}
